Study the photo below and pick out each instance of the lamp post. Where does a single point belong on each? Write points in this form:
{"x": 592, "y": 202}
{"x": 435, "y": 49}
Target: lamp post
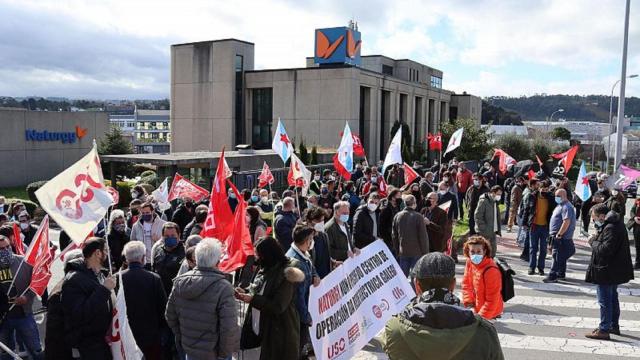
{"x": 611, "y": 120}
{"x": 551, "y": 117}
{"x": 623, "y": 79}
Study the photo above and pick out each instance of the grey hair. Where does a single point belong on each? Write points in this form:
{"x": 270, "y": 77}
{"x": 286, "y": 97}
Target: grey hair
{"x": 134, "y": 251}
{"x": 432, "y": 193}
{"x": 409, "y": 200}
{"x": 115, "y": 215}
{"x": 288, "y": 202}
{"x": 339, "y": 204}
{"x": 208, "y": 253}
{"x": 72, "y": 255}
{"x": 192, "y": 240}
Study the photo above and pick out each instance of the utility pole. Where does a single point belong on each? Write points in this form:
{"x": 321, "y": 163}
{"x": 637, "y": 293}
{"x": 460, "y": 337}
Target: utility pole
{"x": 623, "y": 83}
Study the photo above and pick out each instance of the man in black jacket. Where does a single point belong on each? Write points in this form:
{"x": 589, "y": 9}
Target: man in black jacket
{"x": 473, "y": 197}
{"x": 284, "y": 223}
{"x": 609, "y": 267}
{"x": 366, "y": 222}
{"x": 146, "y": 301}
{"x": 167, "y": 255}
{"x": 184, "y": 213}
{"x": 86, "y": 302}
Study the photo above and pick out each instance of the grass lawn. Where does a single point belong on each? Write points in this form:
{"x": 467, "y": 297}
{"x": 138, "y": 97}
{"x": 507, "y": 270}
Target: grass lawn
{"x": 19, "y": 192}
{"x": 462, "y": 226}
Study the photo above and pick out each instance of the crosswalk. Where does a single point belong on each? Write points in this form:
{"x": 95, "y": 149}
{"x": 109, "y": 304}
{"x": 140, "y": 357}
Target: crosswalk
{"x": 548, "y": 321}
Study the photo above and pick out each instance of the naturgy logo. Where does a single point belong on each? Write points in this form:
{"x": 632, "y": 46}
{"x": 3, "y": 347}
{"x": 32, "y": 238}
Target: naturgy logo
{"x": 64, "y": 137}
{"x": 337, "y": 45}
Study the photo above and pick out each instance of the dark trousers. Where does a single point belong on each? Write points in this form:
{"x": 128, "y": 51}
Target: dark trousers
{"x": 609, "y": 307}
{"x": 563, "y": 249}
{"x": 472, "y": 222}
{"x": 461, "y": 205}
{"x": 586, "y": 218}
{"x": 636, "y": 240}
{"x": 152, "y": 351}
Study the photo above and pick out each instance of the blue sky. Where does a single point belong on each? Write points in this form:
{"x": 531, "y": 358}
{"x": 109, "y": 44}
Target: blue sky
{"x": 120, "y": 48}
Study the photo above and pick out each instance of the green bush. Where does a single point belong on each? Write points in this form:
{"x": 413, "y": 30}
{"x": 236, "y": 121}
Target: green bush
{"x": 148, "y": 173}
{"x": 32, "y": 188}
{"x": 148, "y": 188}
{"x": 148, "y": 177}
{"x": 516, "y": 146}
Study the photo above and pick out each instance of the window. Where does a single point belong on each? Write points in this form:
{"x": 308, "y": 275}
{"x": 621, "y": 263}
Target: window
{"x": 436, "y": 82}
{"x": 417, "y": 76}
{"x": 166, "y": 125}
{"x": 239, "y": 119}
{"x": 387, "y": 70}
{"x": 403, "y": 108}
{"x": 262, "y": 114}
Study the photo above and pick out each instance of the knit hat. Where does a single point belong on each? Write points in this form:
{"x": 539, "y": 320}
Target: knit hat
{"x": 433, "y": 266}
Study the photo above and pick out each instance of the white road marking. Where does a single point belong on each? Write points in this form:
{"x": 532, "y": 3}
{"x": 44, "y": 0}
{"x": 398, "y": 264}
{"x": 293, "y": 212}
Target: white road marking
{"x": 575, "y": 276}
{"x": 563, "y": 321}
{"x": 583, "y": 346}
{"x": 546, "y": 302}
{"x": 560, "y": 287}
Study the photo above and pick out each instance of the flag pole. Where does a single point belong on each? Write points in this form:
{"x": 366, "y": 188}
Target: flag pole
{"x": 297, "y": 202}
{"x": 107, "y": 231}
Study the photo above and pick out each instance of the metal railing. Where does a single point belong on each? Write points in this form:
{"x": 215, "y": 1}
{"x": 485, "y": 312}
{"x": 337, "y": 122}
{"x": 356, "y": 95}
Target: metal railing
{"x": 249, "y": 179}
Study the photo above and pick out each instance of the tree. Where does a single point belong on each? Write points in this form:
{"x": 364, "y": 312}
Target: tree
{"x": 304, "y": 154}
{"x": 475, "y": 140}
{"x": 113, "y": 143}
{"x": 541, "y": 148}
{"x": 314, "y": 155}
{"x": 514, "y": 145}
{"x": 561, "y": 133}
{"x": 407, "y": 155}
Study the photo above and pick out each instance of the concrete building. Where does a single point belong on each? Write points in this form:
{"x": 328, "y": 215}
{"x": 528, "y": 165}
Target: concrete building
{"x": 218, "y": 99}
{"x": 580, "y": 130}
{"x": 501, "y": 130}
{"x": 37, "y": 145}
{"x": 465, "y": 106}
{"x": 149, "y": 131}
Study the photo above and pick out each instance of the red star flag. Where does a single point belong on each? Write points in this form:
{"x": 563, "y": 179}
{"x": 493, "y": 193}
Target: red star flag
{"x": 123, "y": 345}
{"x": 409, "y": 174}
{"x": 77, "y": 198}
{"x": 17, "y": 239}
{"x": 282, "y": 143}
{"x": 455, "y": 141}
{"x": 583, "y": 190}
{"x": 394, "y": 154}
{"x": 358, "y": 149}
{"x": 435, "y": 141}
{"x": 504, "y": 160}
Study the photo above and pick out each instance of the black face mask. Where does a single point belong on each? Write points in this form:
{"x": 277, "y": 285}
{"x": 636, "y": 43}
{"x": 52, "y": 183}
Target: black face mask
{"x": 201, "y": 217}
{"x": 427, "y": 203}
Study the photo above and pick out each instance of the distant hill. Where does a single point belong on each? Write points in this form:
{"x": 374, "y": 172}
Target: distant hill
{"x": 576, "y": 107}
{"x": 64, "y": 104}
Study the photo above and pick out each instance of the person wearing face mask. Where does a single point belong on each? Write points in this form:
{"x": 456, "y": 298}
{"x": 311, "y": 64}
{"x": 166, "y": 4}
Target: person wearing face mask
{"x": 561, "y": 228}
{"x": 184, "y": 213}
{"x": 87, "y": 302}
{"x": 445, "y": 195}
{"x": 389, "y": 209}
{"x": 16, "y": 209}
{"x": 341, "y": 244}
{"x": 299, "y": 251}
{"x": 490, "y": 175}
{"x": 285, "y": 222}
{"x": 325, "y": 200}
{"x": 272, "y": 323}
{"x": 167, "y": 255}
{"x": 117, "y": 237}
{"x": 414, "y": 190}
{"x": 320, "y": 254}
{"x": 374, "y": 181}
{"x": 464, "y": 180}
{"x": 516, "y": 199}
{"x": 487, "y": 217}
{"x": 617, "y": 202}
{"x": 472, "y": 197}
{"x": 610, "y": 266}
{"x": 366, "y": 222}
{"x": 482, "y": 280}
{"x": 438, "y": 226}
{"x": 316, "y": 183}
{"x": 254, "y": 200}
{"x": 395, "y": 176}
{"x": 602, "y": 194}
{"x": 28, "y": 229}
{"x": 409, "y": 235}
{"x": 134, "y": 212}
{"x": 536, "y": 213}
{"x": 148, "y": 228}
{"x": 233, "y": 201}
{"x": 266, "y": 207}
{"x": 139, "y": 193}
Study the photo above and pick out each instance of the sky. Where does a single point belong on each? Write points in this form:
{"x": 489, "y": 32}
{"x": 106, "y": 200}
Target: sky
{"x": 119, "y": 49}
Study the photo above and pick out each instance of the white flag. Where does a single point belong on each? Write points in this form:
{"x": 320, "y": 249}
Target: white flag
{"x": 394, "y": 154}
{"x": 455, "y": 140}
{"x": 123, "y": 345}
{"x": 281, "y": 143}
{"x": 345, "y": 150}
{"x": 161, "y": 195}
{"x": 77, "y": 198}
{"x": 300, "y": 172}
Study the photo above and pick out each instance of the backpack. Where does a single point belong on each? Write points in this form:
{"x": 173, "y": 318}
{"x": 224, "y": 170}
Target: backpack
{"x": 506, "y": 275}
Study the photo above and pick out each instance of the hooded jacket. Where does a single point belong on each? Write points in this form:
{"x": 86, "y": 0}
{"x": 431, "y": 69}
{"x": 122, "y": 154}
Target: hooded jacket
{"x": 440, "y": 331}
{"x": 610, "y": 262}
{"x": 203, "y": 315}
{"x": 485, "y": 217}
{"x": 482, "y": 288}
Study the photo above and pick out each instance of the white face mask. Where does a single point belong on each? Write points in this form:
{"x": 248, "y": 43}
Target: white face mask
{"x": 445, "y": 178}
{"x": 372, "y": 206}
{"x": 443, "y": 192}
{"x": 24, "y": 226}
{"x": 498, "y": 197}
{"x": 614, "y": 192}
{"x": 374, "y": 179}
{"x": 319, "y": 227}
{"x": 312, "y": 244}
{"x": 317, "y": 177}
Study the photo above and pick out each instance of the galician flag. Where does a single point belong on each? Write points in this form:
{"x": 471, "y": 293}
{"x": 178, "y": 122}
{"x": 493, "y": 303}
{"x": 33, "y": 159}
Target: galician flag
{"x": 583, "y": 190}
{"x": 394, "y": 154}
{"x": 455, "y": 141}
{"x": 281, "y": 142}
{"x": 77, "y": 198}
{"x": 344, "y": 156}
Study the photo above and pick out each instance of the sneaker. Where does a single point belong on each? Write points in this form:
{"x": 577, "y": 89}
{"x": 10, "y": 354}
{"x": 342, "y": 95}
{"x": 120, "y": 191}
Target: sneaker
{"x": 540, "y": 272}
{"x": 615, "y": 330}
{"x": 532, "y": 272}
{"x": 598, "y": 334}
{"x": 549, "y": 279}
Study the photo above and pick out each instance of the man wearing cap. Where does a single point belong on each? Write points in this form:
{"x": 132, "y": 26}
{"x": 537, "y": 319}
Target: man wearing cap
{"x": 434, "y": 325}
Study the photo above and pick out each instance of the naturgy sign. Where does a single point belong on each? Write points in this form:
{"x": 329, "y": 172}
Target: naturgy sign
{"x": 64, "y": 137}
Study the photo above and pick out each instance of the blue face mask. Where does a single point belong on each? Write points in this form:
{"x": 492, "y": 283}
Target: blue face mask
{"x": 254, "y": 198}
{"x": 170, "y": 241}
{"x": 344, "y": 218}
{"x": 476, "y": 259}
{"x": 232, "y": 195}
{"x": 558, "y": 200}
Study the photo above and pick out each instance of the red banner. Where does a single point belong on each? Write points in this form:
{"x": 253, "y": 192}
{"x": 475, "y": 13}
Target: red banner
{"x": 181, "y": 187}
{"x": 265, "y": 177}
{"x": 435, "y": 141}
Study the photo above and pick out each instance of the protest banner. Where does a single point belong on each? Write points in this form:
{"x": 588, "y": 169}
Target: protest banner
{"x": 354, "y": 302}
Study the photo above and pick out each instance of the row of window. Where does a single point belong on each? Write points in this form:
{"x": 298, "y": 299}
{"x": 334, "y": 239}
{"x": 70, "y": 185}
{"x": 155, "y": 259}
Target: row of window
{"x": 414, "y": 75}
{"x": 153, "y": 125}
{"x": 154, "y": 136}
{"x": 123, "y": 124}
{"x": 436, "y": 82}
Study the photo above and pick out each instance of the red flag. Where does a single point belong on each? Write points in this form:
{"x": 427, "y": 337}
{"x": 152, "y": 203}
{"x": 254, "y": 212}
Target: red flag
{"x": 291, "y": 181}
{"x": 435, "y": 141}
{"x": 41, "y": 236}
{"x": 504, "y": 160}
{"x": 265, "y": 177}
{"x": 531, "y": 174}
{"x": 382, "y": 187}
{"x": 358, "y": 149}
{"x": 340, "y": 169}
{"x": 181, "y": 187}
{"x": 237, "y": 246}
{"x": 17, "y": 239}
{"x": 219, "y": 223}
{"x": 565, "y": 160}
{"x": 42, "y": 259}
{"x": 409, "y": 174}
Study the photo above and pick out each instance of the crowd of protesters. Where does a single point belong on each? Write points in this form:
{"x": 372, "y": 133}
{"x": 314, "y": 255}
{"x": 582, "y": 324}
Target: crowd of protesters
{"x": 181, "y": 306}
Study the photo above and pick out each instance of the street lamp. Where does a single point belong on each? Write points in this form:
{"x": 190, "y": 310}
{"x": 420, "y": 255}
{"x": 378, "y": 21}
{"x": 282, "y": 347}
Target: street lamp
{"x": 611, "y": 119}
{"x": 551, "y": 117}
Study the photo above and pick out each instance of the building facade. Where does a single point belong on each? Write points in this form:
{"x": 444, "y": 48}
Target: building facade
{"x": 218, "y": 99}
{"x": 465, "y": 106}
{"x": 38, "y": 145}
{"x": 149, "y": 131}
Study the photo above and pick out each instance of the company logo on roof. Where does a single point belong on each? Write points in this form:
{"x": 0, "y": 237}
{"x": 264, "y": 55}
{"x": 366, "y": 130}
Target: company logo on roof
{"x": 339, "y": 45}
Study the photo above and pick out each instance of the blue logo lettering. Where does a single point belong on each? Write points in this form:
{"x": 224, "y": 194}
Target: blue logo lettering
{"x": 64, "y": 137}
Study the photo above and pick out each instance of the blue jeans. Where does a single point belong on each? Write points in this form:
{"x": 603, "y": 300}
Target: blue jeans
{"x": 538, "y": 242}
{"x": 26, "y": 329}
{"x": 609, "y": 306}
{"x": 406, "y": 263}
{"x": 563, "y": 249}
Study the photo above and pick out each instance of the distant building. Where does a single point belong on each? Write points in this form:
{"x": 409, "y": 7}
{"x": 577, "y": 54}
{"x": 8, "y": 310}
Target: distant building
{"x": 465, "y": 106}
{"x": 501, "y": 130}
{"x": 580, "y": 130}
{"x": 149, "y": 131}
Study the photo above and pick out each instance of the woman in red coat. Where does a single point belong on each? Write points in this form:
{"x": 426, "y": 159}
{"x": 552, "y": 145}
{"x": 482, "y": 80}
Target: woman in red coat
{"x": 482, "y": 281}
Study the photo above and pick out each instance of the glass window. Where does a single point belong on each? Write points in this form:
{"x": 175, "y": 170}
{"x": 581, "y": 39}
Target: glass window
{"x": 239, "y": 118}
{"x": 262, "y": 114}
{"x": 387, "y": 70}
{"x": 436, "y": 82}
